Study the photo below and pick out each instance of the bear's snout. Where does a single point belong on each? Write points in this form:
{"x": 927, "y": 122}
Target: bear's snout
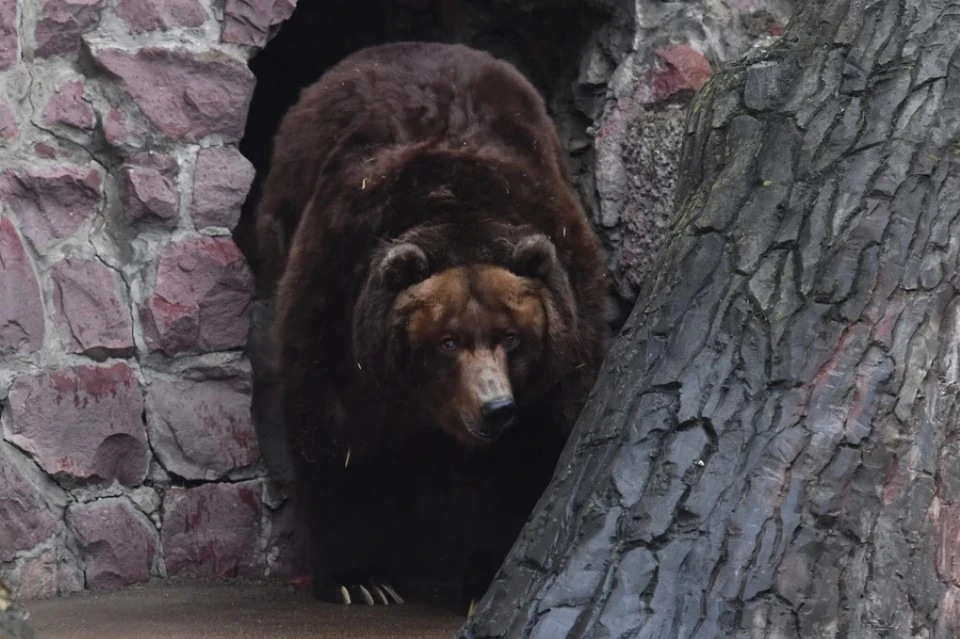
{"x": 498, "y": 413}
{"x": 487, "y": 384}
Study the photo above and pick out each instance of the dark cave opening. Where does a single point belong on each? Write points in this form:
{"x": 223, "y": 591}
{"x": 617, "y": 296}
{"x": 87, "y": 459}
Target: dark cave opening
{"x": 546, "y": 40}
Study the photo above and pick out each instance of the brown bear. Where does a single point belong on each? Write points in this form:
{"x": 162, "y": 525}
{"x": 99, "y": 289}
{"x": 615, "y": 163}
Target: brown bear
{"x": 438, "y": 312}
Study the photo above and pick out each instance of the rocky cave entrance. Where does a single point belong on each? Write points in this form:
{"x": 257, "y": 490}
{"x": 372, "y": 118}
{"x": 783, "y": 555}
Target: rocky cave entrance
{"x": 567, "y": 48}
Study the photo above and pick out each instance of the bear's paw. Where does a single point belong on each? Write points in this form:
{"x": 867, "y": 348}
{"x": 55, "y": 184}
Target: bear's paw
{"x": 375, "y": 592}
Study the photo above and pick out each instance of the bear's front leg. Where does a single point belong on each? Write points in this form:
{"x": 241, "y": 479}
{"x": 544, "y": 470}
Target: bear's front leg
{"x": 353, "y": 506}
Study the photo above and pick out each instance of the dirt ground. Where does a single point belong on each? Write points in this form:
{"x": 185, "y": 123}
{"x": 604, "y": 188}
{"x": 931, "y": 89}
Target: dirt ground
{"x": 232, "y": 610}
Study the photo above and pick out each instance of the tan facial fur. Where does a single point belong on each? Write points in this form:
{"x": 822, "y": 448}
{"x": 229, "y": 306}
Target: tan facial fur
{"x": 471, "y": 322}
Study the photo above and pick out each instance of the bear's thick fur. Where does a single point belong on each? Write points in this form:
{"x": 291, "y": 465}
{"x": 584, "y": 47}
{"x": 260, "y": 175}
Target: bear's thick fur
{"x": 438, "y": 310}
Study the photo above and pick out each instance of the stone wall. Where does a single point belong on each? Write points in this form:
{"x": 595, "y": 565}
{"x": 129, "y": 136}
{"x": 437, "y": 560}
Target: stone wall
{"x": 636, "y": 78}
{"x": 127, "y": 447}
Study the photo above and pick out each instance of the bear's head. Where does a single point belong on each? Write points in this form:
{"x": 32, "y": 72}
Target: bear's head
{"x": 466, "y": 345}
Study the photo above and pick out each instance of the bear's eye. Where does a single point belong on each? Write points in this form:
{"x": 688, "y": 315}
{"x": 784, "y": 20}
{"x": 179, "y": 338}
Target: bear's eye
{"x": 511, "y": 340}
{"x": 448, "y": 345}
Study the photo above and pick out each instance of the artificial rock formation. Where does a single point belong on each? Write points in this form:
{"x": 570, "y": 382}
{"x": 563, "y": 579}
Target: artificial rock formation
{"x": 771, "y": 450}
{"x": 125, "y": 305}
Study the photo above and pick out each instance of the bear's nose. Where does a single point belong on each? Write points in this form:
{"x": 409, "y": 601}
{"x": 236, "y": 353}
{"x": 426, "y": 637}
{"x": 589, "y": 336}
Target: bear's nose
{"x": 498, "y": 412}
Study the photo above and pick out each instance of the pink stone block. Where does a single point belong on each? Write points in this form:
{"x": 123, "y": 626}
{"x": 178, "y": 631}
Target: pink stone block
{"x": 686, "y": 69}
{"x": 118, "y": 542}
{"x": 25, "y": 518}
{"x": 21, "y": 307}
{"x": 51, "y": 202}
{"x": 185, "y": 95}
{"x": 90, "y": 314}
{"x": 149, "y": 192}
{"x": 44, "y": 150}
{"x": 84, "y": 422}
{"x": 221, "y": 182}
{"x": 213, "y": 530}
{"x": 250, "y": 21}
{"x": 202, "y": 429}
{"x": 62, "y": 22}
{"x": 68, "y": 107}
{"x": 115, "y": 129}
{"x": 154, "y": 15}
{"x": 201, "y": 298}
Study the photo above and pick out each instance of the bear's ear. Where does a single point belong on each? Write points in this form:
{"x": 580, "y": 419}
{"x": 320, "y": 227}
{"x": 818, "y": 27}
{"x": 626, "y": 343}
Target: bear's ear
{"x": 403, "y": 265}
{"x": 534, "y": 256}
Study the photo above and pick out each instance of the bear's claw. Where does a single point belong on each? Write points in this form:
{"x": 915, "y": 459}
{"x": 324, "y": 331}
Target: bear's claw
{"x": 393, "y": 593}
{"x": 367, "y": 597}
{"x": 380, "y": 594}
{"x": 377, "y": 592}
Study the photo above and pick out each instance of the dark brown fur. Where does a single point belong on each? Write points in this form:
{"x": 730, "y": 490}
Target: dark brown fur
{"x": 446, "y": 150}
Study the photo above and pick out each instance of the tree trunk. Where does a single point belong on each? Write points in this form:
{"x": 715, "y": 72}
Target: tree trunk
{"x": 771, "y": 449}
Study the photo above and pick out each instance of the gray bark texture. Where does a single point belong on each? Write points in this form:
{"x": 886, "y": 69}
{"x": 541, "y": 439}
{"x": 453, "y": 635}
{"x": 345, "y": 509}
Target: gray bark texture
{"x": 772, "y": 449}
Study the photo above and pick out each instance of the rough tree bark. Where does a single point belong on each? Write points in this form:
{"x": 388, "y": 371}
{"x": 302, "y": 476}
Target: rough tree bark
{"x": 773, "y": 446}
